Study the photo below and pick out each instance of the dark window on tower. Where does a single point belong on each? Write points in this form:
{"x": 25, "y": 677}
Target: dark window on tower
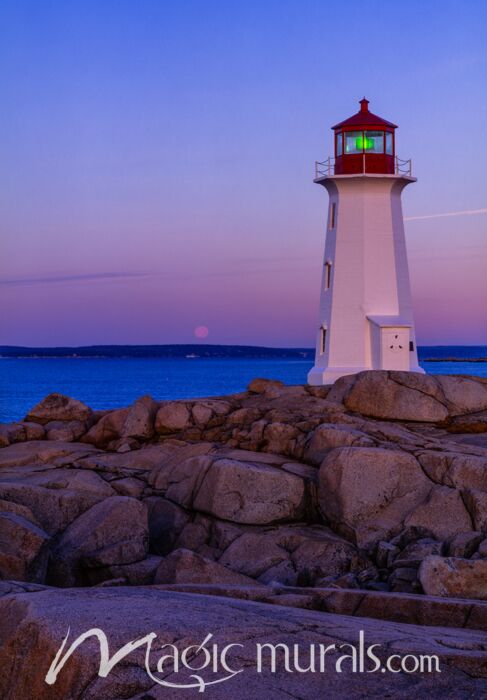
{"x": 322, "y": 340}
{"x": 333, "y": 215}
{"x": 327, "y": 275}
{"x": 411, "y": 346}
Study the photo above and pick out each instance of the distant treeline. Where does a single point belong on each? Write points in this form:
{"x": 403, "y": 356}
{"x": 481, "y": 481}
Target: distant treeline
{"x": 454, "y": 359}
{"x": 439, "y": 353}
{"x": 221, "y": 351}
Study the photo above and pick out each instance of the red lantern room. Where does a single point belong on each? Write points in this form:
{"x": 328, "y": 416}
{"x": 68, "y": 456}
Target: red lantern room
{"x": 364, "y": 143}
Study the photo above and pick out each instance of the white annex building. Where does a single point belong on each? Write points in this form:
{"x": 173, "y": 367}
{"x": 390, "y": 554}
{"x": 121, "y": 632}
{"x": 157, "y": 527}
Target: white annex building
{"x": 366, "y": 315}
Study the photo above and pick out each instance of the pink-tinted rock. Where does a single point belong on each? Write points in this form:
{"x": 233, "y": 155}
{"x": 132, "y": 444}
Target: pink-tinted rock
{"x": 139, "y": 422}
{"x": 455, "y": 469}
{"x": 110, "y": 533}
{"x": 129, "y": 486}
{"x": 261, "y": 386}
{"x": 280, "y": 438}
{"x": 65, "y": 431}
{"x": 454, "y": 578}
{"x": 443, "y": 514}
{"x": 476, "y": 503}
{"x": 473, "y": 423}
{"x": 172, "y": 417}
{"x": 397, "y": 396}
{"x": 11, "y": 433}
{"x": 463, "y": 395}
{"x": 41, "y": 452}
{"x": 58, "y": 407}
{"x": 366, "y": 493}
{"x": 184, "y": 566}
{"x": 464, "y": 544}
{"x": 35, "y": 623}
{"x": 327, "y": 436}
{"x": 107, "y": 429}
{"x": 23, "y": 549}
{"x": 289, "y": 554}
{"x": 248, "y": 493}
{"x": 139, "y": 573}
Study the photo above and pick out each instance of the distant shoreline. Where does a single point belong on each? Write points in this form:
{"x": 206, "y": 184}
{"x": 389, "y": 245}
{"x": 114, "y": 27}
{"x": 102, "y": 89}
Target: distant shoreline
{"x": 454, "y": 359}
{"x": 194, "y": 351}
{"x": 157, "y": 351}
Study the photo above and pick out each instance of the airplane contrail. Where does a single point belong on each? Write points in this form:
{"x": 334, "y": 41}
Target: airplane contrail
{"x": 467, "y": 212}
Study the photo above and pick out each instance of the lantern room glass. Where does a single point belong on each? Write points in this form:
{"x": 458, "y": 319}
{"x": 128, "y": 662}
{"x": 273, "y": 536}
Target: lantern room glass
{"x": 353, "y": 141}
{"x": 374, "y": 141}
{"x": 339, "y": 143}
{"x": 367, "y": 141}
{"x": 389, "y": 143}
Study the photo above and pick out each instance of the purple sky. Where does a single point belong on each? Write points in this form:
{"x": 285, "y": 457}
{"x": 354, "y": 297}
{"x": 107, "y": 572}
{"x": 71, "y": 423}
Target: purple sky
{"x": 156, "y": 164}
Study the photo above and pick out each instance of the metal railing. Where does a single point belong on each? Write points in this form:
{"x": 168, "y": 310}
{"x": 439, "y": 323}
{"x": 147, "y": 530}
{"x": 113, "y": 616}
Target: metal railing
{"x": 403, "y": 167}
{"x": 326, "y": 168}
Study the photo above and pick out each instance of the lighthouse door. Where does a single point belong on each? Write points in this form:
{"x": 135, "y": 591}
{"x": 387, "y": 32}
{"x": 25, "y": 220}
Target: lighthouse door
{"x": 395, "y": 348}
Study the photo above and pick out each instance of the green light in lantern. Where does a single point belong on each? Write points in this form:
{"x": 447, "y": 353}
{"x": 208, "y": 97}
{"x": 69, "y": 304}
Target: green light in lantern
{"x": 364, "y": 143}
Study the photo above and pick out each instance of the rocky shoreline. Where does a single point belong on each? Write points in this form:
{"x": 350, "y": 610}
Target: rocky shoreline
{"x": 365, "y": 502}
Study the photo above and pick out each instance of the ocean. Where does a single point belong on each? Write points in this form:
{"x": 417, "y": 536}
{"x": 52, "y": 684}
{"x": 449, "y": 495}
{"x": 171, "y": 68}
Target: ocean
{"x": 117, "y": 381}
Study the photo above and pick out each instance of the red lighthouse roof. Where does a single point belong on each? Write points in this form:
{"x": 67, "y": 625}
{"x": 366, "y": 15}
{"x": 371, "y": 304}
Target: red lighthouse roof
{"x": 365, "y": 118}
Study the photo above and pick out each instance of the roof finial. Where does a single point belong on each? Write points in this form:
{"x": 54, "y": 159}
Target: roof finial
{"x": 364, "y": 105}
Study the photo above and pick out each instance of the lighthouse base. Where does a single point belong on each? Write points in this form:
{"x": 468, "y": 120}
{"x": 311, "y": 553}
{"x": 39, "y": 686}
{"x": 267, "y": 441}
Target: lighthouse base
{"x": 322, "y": 376}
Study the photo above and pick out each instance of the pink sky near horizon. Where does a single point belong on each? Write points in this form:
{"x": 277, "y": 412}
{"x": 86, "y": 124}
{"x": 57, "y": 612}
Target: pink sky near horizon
{"x": 156, "y": 167}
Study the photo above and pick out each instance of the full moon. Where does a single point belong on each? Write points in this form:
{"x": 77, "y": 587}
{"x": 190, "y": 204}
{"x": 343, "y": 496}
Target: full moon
{"x": 201, "y": 332}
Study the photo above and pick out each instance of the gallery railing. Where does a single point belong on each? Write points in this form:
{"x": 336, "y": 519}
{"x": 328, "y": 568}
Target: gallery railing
{"x": 326, "y": 168}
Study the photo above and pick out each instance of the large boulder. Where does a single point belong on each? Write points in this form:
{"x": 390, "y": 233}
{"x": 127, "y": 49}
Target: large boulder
{"x": 453, "y": 577}
{"x": 250, "y": 493}
{"x": 289, "y": 555}
{"x": 184, "y": 566}
{"x": 472, "y": 423}
{"x": 367, "y": 492}
{"x": 172, "y": 417}
{"x": 443, "y": 514}
{"x": 397, "y": 396}
{"x": 11, "y": 433}
{"x": 56, "y": 497}
{"x": 410, "y": 396}
{"x": 209, "y": 411}
{"x": 476, "y": 503}
{"x": 108, "y": 428}
{"x": 35, "y": 623}
{"x": 280, "y": 438}
{"x": 139, "y": 422}
{"x": 138, "y": 573}
{"x": 241, "y": 491}
{"x": 59, "y": 407}
{"x": 327, "y": 436}
{"x": 112, "y": 532}
{"x": 463, "y": 395}
{"x": 261, "y": 386}
{"x": 23, "y": 549}
{"x": 455, "y": 469}
{"x": 65, "y": 431}
{"x": 464, "y": 544}
{"x": 42, "y": 452}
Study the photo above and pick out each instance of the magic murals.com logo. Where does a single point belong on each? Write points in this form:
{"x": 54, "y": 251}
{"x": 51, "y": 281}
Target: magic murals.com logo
{"x": 208, "y": 663}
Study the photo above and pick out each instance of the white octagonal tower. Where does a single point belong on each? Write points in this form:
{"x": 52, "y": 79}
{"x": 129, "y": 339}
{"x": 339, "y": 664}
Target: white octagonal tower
{"x": 366, "y": 315}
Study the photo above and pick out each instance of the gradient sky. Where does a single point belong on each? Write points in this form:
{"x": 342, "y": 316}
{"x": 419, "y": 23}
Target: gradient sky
{"x": 156, "y": 163}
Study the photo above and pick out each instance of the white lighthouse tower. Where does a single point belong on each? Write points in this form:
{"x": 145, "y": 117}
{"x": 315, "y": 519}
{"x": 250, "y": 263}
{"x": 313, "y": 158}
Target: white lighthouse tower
{"x": 366, "y": 315}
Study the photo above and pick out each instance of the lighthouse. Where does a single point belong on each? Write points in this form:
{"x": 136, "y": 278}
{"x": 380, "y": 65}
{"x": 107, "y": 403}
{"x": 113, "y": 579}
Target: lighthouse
{"x": 365, "y": 314}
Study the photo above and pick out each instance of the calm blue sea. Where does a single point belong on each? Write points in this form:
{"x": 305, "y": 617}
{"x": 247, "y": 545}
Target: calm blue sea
{"x": 114, "y": 382}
